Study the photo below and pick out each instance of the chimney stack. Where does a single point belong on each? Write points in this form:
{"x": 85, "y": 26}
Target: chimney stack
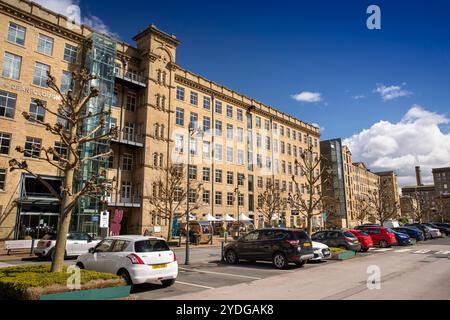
{"x": 418, "y": 176}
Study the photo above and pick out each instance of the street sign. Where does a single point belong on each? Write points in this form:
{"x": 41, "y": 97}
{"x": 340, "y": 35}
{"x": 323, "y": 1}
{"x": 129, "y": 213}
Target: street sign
{"x": 104, "y": 219}
{"x": 95, "y": 218}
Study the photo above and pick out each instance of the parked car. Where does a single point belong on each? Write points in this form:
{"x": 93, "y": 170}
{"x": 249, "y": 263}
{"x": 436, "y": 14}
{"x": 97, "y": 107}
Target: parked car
{"x": 443, "y": 229}
{"x": 380, "y": 236}
{"x": 402, "y": 238}
{"x": 364, "y": 239}
{"x": 442, "y": 224}
{"x": 138, "y": 259}
{"x": 279, "y": 245}
{"x": 337, "y": 239}
{"x": 424, "y": 229}
{"x": 435, "y": 233}
{"x": 321, "y": 251}
{"x": 411, "y": 232}
{"x": 77, "y": 243}
{"x": 391, "y": 223}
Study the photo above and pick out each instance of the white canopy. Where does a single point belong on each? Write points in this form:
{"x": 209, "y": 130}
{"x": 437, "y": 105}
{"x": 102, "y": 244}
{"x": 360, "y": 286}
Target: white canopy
{"x": 243, "y": 217}
{"x": 228, "y": 218}
{"x": 210, "y": 217}
{"x": 191, "y": 217}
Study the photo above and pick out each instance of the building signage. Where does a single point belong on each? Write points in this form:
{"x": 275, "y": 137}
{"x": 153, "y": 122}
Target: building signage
{"x": 104, "y": 219}
{"x": 32, "y": 91}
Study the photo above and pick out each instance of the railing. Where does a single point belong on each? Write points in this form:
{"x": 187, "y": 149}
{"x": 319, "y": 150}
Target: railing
{"x": 131, "y": 200}
{"x": 129, "y": 138}
{"x": 130, "y": 76}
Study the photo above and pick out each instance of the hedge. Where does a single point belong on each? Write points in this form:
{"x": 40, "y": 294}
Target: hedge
{"x": 31, "y": 281}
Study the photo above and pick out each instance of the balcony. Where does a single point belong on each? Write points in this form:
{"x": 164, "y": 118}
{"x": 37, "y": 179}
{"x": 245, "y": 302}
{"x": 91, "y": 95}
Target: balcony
{"x": 130, "y": 78}
{"x": 125, "y": 201}
{"x": 129, "y": 139}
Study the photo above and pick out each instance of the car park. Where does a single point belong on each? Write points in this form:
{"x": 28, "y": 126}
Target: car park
{"x": 138, "y": 259}
{"x": 77, "y": 243}
{"x": 443, "y": 229}
{"x": 321, "y": 251}
{"x": 402, "y": 238}
{"x": 411, "y": 232}
{"x": 364, "y": 239}
{"x": 380, "y": 235}
{"x": 279, "y": 245}
{"x": 338, "y": 239}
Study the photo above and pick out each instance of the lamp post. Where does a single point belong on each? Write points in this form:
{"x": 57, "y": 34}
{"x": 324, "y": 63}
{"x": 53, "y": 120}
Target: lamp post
{"x": 237, "y": 203}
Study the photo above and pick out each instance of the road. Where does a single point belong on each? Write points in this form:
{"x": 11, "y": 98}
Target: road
{"x": 421, "y": 271}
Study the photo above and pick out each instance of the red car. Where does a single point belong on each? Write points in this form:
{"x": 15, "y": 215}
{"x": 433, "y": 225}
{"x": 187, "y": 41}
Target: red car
{"x": 364, "y": 239}
{"x": 380, "y": 235}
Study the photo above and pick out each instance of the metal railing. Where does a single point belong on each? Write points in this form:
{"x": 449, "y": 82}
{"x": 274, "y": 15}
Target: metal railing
{"x": 129, "y": 138}
{"x": 130, "y": 76}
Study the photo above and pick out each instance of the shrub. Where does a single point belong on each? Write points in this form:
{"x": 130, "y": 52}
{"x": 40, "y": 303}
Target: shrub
{"x": 30, "y": 281}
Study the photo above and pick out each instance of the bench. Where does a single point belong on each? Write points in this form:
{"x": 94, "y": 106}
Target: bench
{"x": 11, "y": 245}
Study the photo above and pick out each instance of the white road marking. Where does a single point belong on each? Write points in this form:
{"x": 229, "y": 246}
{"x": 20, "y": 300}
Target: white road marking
{"x": 403, "y": 250}
{"x": 442, "y": 252}
{"x": 384, "y": 249}
{"x": 220, "y": 273}
{"x": 422, "y": 251}
{"x": 194, "y": 285}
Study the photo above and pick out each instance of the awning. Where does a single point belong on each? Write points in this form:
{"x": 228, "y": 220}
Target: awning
{"x": 210, "y": 217}
{"x": 243, "y": 217}
{"x": 228, "y": 218}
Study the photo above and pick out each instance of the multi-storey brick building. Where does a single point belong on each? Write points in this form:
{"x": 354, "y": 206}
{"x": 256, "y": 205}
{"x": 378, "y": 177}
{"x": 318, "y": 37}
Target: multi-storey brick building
{"x": 245, "y": 143}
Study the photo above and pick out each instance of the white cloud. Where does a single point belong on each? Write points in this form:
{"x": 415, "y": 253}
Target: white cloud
{"x": 321, "y": 129}
{"x": 358, "y": 97}
{"x": 63, "y": 7}
{"x": 307, "y": 96}
{"x": 391, "y": 92}
{"x": 417, "y": 139}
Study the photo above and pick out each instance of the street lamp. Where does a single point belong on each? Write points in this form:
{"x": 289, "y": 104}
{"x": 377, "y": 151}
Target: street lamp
{"x": 237, "y": 203}
{"x": 192, "y": 131}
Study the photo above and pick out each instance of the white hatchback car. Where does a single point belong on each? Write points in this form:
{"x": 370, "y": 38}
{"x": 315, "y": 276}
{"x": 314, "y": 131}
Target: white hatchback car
{"x": 138, "y": 259}
{"x": 77, "y": 243}
{"x": 321, "y": 251}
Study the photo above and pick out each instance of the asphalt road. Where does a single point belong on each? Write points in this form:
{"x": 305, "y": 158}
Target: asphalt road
{"x": 421, "y": 271}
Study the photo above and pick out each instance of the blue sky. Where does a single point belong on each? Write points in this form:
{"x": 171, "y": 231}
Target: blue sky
{"x": 273, "y": 50}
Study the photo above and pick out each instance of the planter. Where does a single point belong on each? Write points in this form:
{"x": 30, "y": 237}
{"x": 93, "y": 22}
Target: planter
{"x": 94, "y": 294}
{"x": 343, "y": 255}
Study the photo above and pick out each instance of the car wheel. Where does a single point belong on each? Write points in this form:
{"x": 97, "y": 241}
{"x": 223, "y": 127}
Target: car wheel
{"x": 383, "y": 244}
{"x": 280, "y": 261}
{"x": 167, "y": 283}
{"x": 80, "y": 265}
{"x": 231, "y": 257}
{"x": 364, "y": 249}
{"x": 125, "y": 276}
{"x": 300, "y": 263}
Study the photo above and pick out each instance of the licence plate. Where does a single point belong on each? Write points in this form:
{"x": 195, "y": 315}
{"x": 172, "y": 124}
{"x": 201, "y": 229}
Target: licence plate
{"x": 159, "y": 266}
{"x": 307, "y": 244}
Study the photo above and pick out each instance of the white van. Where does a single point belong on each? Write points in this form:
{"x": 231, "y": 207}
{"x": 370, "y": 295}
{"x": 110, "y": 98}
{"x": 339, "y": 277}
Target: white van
{"x": 391, "y": 223}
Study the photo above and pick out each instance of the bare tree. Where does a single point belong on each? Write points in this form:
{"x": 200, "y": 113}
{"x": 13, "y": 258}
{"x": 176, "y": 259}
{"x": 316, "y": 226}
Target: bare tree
{"x": 442, "y": 206}
{"x": 418, "y": 207}
{"x": 382, "y": 202}
{"x": 269, "y": 202}
{"x": 309, "y": 203}
{"x": 74, "y": 111}
{"x": 363, "y": 209}
{"x": 170, "y": 195}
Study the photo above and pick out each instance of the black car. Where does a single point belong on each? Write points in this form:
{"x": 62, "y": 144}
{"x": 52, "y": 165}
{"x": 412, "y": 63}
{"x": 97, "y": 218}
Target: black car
{"x": 338, "y": 239}
{"x": 421, "y": 227}
{"x": 442, "y": 228}
{"x": 279, "y": 245}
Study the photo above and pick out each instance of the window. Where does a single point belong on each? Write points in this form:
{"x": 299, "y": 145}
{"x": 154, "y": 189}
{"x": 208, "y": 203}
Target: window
{"x": 218, "y": 176}
{"x": 266, "y": 124}
{"x": 194, "y": 98}
{"x": 259, "y": 161}
{"x": 179, "y": 116}
{"x": 40, "y": 74}
{"x": 180, "y": 93}
{"x": 7, "y": 104}
{"x": 294, "y": 135}
{"x": 179, "y": 143}
{"x": 229, "y": 131}
{"x": 268, "y": 143}
{"x": 241, "y": 199}
{"x": 2, "y": 179}
{"x": 230, "y": 198}
{"x": 229, "y": 154}
{"x": 282, "y": 130}
{"x": 32, "y": 147}
{"x": 206, "y": 197}
{"x": 70, "y": 53}
{"x": 288, "y": 132}
{"x": 207, "y": 103}
{"x": 193, "y": 119}
{"x": 239, "y": 115}
{"x": 230, "y": 177}
{"x": 218, "y": 198}
{"x": 260, "y": 182}
{"x": 206, "y": 149}
{"x": 218, "y": 128}
{"x": 131, "y": 101}
{"x": 218, "y": 152}
{"x": 289, "y": 149}
{"x": 193, "y": 172}
{"x": 16, "y": 34}
{"x": 193, "y": 146}
{"x": 206, "y": 124}
{"x": 206, "y": 174}
{"x": 240, "y": 157}
{"x": 258, "y": 122}
{"x": 282, "y": 147}
{"x": 61, "y": 151}
{"x": 240, "y": 134}
{"x": 127, "y": 162}
{"x": 218, "y": 107}
{"x": 229, "y": 111}
{"x": 240, "y": 179}
{"x": 37, "y": 112}
{"x": 11, "y": 66}
{"x": 258, "y": 140}
{"x": 66, "y": 81}
{"x": 5, "y": 142}
{"x": 45, "y": 45}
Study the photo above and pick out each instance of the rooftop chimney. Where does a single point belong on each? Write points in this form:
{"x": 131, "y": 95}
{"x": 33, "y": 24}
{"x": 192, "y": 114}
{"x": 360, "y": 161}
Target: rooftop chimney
{"x": 418, "y": 176}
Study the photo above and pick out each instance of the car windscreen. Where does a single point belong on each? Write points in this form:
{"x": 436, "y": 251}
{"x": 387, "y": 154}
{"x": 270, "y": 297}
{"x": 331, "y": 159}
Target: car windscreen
{"x": 150, "y": 246}
{"x": 349, "y": 234}
{"x": 299, "y": 235}
{"x": 363, "y": 233}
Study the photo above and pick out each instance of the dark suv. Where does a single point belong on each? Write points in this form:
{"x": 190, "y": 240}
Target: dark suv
{"x": 279, "y": 245}
{"x": 338, "y": 239}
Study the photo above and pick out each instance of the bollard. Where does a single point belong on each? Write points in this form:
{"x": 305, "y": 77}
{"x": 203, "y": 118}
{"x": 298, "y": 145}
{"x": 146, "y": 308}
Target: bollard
{"x": 222, "y": 253}
{"x": 32, "y": 248}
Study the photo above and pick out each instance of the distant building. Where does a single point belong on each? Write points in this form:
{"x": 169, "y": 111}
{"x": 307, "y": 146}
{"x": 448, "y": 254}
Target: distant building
{"x": 389, "y": 180}
{"x": 441, "y": 177}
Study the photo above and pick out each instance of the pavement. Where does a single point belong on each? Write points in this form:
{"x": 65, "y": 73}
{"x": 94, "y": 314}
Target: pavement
{"x": 421, "y": 271}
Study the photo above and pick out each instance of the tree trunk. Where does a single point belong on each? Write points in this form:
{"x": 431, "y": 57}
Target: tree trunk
{"x": 309, "y": 222}
{"x": 169, "y": 231}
